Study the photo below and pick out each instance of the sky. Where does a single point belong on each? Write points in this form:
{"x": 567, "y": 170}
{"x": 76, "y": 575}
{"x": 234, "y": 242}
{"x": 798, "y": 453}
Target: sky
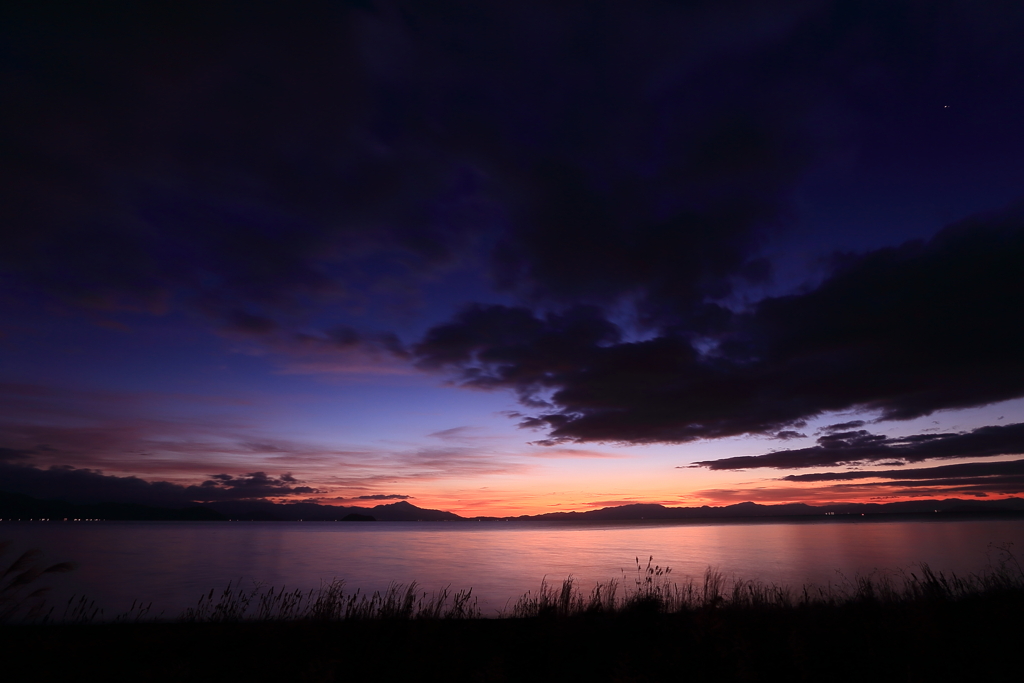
{"x": 512, "y": 257}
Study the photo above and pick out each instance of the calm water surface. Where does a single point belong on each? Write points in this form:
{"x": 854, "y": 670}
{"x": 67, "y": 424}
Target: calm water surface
{"x": 172, "y": 563}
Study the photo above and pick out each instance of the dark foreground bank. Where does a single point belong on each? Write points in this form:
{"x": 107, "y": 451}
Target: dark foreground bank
{"x": 962, "y": 640}
{"x": 919, "y": 625}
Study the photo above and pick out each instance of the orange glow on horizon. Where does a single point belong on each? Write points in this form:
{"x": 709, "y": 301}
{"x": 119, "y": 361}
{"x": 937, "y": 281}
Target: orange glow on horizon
{"x": 480, "y": 504}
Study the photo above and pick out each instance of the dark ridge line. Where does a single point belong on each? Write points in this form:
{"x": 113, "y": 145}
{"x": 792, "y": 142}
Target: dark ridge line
{"x": 15, "y": 506}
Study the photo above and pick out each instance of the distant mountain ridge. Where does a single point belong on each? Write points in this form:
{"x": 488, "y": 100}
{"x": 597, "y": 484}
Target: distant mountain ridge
{"x": 748, "y": 510}
{"x": 402, "y": 511}
{"x": 18, "y": 506}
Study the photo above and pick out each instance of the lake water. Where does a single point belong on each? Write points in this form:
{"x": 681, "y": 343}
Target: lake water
{"x": 172, "y": 563}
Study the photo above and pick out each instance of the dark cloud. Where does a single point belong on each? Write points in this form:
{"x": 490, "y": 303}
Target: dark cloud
{"x": 245, "y": 161}
{"x": 253, "y": 485}
{"x": 383, "y": 496}
{"x": 260, "y": 163}
{"x": 82, "y": 485}
{"x": 15, "y": 454}
{"x": 903, "y": 331}
{"x": 839, "y": 448}
{"x": 500, "y": 346}
{"x": 787, "y": 434}
{"x": 976, "y": 479}
{"x": 843, "y": 426}
{"x": 268, "y": 167}
{"x": 980, "y": 486}
{"x": 970, "y": 469}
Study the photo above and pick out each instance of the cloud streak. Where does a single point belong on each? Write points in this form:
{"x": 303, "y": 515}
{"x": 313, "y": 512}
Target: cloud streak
{"x": 92, "y": 433}
{"x": 861, "y": 446}
{"x": 1010, "y": 468}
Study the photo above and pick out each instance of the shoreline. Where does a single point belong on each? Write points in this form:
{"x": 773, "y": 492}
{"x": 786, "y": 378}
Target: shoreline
{"x": 838, "y": 518}
{"x": 649, "y": 589}
{"x": 23, "y": 507}
{"x": 923, "y": 626}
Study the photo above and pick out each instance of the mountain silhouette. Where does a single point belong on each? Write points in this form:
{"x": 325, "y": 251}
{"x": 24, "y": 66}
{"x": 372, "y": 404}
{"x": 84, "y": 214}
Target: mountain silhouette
{"x": 19, "y": 506}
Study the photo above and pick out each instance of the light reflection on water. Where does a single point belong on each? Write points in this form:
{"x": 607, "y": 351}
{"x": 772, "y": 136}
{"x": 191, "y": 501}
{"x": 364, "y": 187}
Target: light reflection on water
{"x": 172, "y": 563}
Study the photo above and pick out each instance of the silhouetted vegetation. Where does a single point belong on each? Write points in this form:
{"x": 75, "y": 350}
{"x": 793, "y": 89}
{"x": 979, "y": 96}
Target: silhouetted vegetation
{"x": 914, "y": 625}
{"x": 19, "y": 599}
{"x": 330, "y": 602}
{"x": 652, "y": 591}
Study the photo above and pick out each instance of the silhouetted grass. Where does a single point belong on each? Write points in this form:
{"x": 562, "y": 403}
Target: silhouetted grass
{"x": 917, "y": 625}
{"x": 653, "y": 591}
{"x": 18, "y": 598}
{"x": 330, "y": 602}
{"x": 650, "y": 591}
